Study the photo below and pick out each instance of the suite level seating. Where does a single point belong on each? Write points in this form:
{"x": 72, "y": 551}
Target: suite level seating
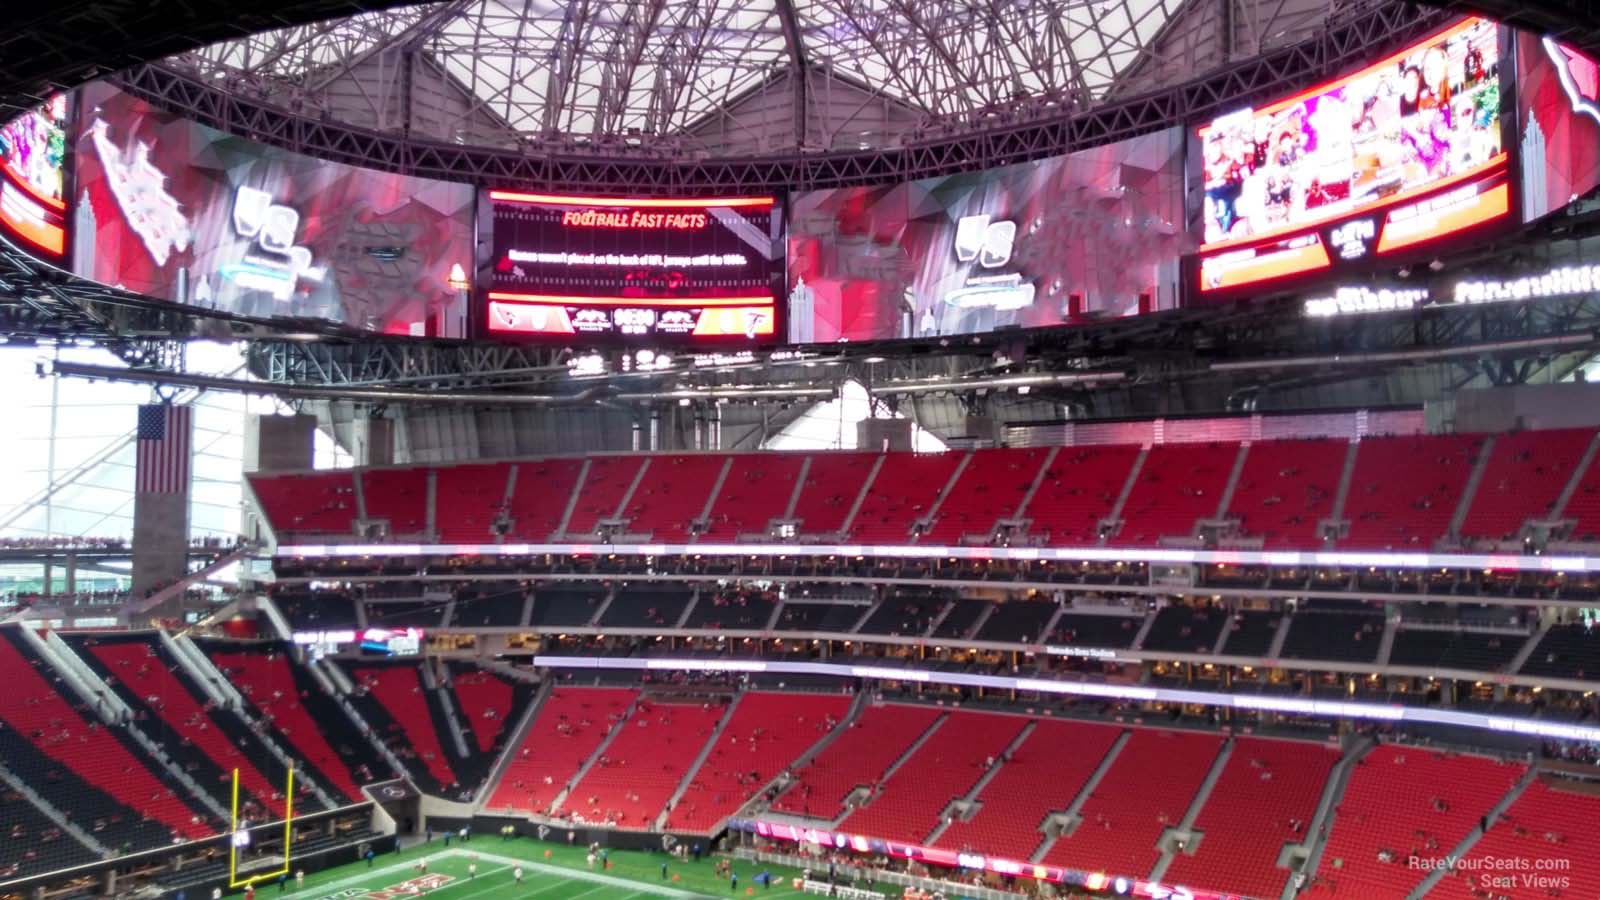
{"x": 1566, "y": 651}
{"x": 963, "y": 615}
{"x": 1186, "y": 629}
{"x": 315, "y": 611}
{"x": 821, "y": 616}
{"x": 489, "y": 604}
{"x": 94, "y": 772}
{"x": 1403, "y": 495}
{"x": 637, "y": 772}
{"x": 1034, "y": 780}
{"x": 425, "y": 614}
{"x": 197, "y": 734}
{"x": 764, "y": 737}
{"x": 746, "y": 609}
{"x": 856, "y": 758}
{"x": 569, "y": 727}
{"x": 647, "y": 605}
{"x": 469, "y": 501}
{"x": 1402, "y": 801}
{"x": 558, "y": 603}
{"x": 1148, "y": 788}
{"x": 1017, "y": 622}
{"x": 1344, "y": 636}
{"x": 1287, "y": 489}
{"x": 1082, "y": 629}
{"x": 1480, "y": 651}
{"x": 306, "y": 721}
{"x": 1264, "y": 799}
{"x": 906, "y": 611}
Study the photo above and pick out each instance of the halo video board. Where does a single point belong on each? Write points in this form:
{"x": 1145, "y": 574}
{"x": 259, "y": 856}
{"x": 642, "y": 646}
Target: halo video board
{"x": 33, "y": 173}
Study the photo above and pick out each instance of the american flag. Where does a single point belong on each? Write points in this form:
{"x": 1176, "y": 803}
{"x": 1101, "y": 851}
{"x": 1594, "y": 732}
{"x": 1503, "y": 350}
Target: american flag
{"x": 164, "y": 434}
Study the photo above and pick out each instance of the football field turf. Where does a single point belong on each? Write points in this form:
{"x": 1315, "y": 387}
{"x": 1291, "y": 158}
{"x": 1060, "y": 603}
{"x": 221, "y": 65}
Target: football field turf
{"x": 560, "y": 875}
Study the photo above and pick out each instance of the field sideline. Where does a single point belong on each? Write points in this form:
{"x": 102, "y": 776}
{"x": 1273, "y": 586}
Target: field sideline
{"x": 550, "y": 872}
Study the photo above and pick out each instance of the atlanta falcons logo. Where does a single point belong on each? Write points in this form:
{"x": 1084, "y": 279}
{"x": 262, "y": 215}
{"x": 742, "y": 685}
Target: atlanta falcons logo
{"x": 1580, "y": 77}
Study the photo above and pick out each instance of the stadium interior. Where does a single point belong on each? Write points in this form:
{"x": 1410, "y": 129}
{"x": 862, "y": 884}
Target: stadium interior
{"x": 1034, "y": 449}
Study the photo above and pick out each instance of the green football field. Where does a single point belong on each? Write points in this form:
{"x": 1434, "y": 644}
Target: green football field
{"x": 561, "y": 875}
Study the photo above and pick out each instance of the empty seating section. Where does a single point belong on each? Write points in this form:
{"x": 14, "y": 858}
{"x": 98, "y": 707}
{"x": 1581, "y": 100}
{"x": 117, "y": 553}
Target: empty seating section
{"x": 820, "y": 616}
{"x": 1482, "y": 651}
{"x": 539, "y": 498}
{"x": 635, "y": 775}
{"x": 1565, "y": 651}
{"x": 1185, "y": 629}
{"x": 832, "y": 483}
{"x": 647, "y": 606}
{"x": 1094, "y": 630}
{"x": 857, "y": 757}
{"x": 1147, "y": 789}
{"x": 157, "y": 689}
{"x": 1583, "y": 508}
{"x": 911, "y": 801}
{"x": 1017, "y": 622}
{"x": 602, "y": 491}
{"x": 1526, "y": 473}
{"x": 962, "y": 616}
{"x": 1077, "y": 491}
{"x": 1405, "y": 490}
{"x": 756, "y": 491}
{"x": 310, "y": 504}
{"x": 1545, "y": 823}
{"x": 398, "y": 496}
{"x": 398, "y": 690}
{"x": 747, "y": 609}
{"x": 1265, "y": 798}
{"x": 316, "y": 611}
{"x": 902, "y": 493}
{"x": 1342, "y": 636}
{"x": 990, "y": 488}
{"x": 672, "y": 495}
{"x": 569, "y": 727}
{"x": 905, "y": 612}
{"x": 467, "y": 499}
{"x": 406, "y": 613}
{"x": 34, "y": 843}
{"x": 1043, "y": 775}
{"x": 563, "y": 604}
{"x": 1404, "y": 801}
{"x": 267, "y": 681}
{"x": 1178, "y": 485}
{"x": 32, "y": 709}
{"x": 1286, "y": 488}
{"x": 1251, "y": 632}
{"x": 490, "y": 604}
{"x": 485, "y": 700}
{"x": 766, "y": 733}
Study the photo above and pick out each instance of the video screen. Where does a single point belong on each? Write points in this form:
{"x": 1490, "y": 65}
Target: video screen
{"x": 604, "y": 269}
{"x": 1402, "y": 153}
{"x": 1061, "y": 241}
{"x": 1558, "y": 90}
{"x": 33, "y": 171}
{"x": 181, "y": 212}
